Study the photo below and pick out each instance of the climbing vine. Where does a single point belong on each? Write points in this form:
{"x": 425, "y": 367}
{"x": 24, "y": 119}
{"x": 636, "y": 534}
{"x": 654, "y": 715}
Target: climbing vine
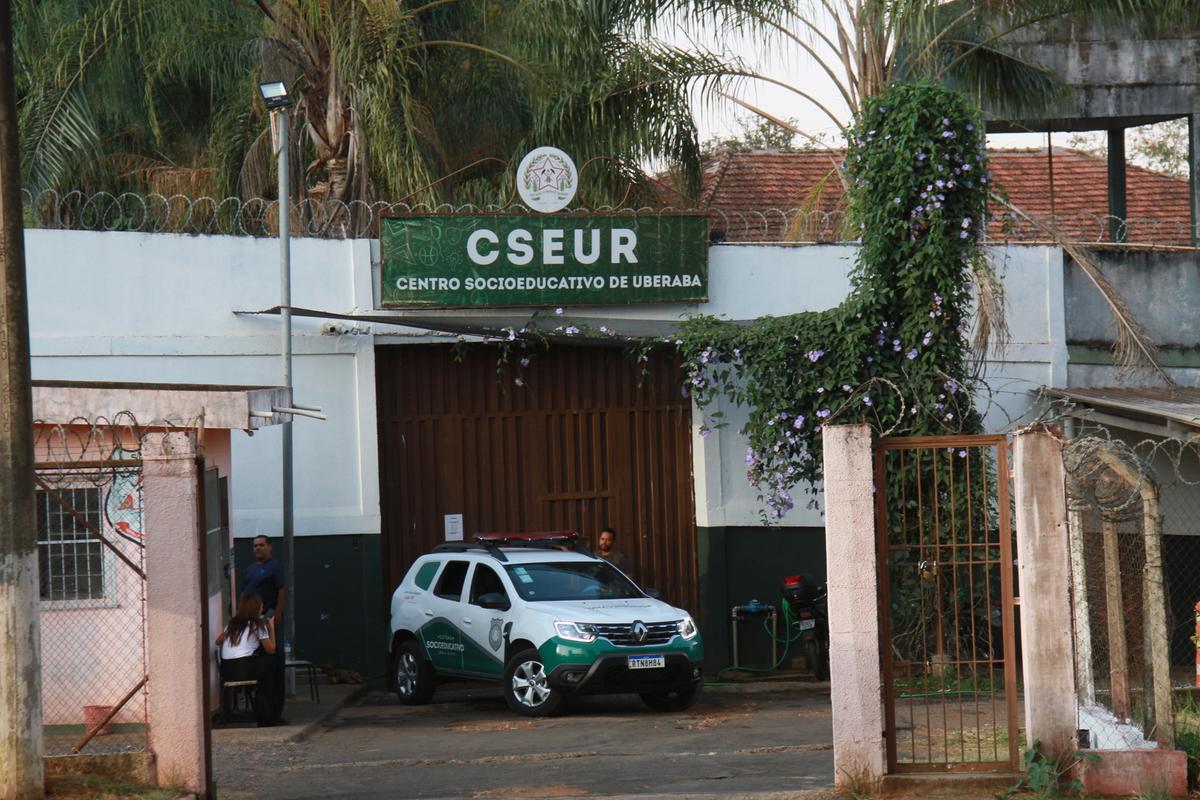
{"x": 895, "y": 352}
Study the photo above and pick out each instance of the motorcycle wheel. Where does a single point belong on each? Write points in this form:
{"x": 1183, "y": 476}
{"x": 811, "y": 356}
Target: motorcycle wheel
{"x": 813, "y": 658}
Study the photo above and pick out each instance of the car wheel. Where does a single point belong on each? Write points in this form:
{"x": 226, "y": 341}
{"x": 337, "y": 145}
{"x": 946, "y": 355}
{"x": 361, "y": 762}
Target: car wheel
{"x": 679, "y": 699}
{"x": 413, "y": 675}
{"x": 527, "y": 687}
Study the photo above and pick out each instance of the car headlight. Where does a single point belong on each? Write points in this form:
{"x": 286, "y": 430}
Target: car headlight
{"x": 575, "y": 631}
{"x": 687, "y": 628}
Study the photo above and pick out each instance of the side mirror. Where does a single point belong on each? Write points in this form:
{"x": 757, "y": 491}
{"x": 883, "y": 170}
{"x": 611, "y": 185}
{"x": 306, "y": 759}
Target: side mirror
{"x": 494, "y": 600}
{"x": 651, "y": 593}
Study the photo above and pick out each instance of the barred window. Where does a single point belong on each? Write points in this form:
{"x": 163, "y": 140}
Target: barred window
{"x": 70, "y": 558}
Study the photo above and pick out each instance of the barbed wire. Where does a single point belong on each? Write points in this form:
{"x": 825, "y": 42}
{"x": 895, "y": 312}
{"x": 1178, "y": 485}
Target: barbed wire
{"x": 334, "y": 219}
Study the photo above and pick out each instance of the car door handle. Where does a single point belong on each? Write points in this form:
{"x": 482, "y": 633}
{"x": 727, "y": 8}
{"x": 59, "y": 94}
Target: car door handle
{"x": 428, "y": 613}
{"x": 466, "y": 620}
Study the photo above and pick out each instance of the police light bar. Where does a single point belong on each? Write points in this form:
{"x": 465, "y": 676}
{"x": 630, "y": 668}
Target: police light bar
{"x": 511, "y": 538}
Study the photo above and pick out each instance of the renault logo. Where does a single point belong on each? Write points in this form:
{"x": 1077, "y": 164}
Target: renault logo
{"x": 639, "y": 631}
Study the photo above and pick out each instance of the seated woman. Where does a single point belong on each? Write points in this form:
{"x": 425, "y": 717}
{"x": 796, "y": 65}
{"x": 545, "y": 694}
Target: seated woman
{"x": 241, "y": 658}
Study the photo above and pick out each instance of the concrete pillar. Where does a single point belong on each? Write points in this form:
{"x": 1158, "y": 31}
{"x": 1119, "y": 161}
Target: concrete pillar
{"x": 1082, "y": 611}
{"x": 1045, "y": 583}
{"x": 850, "y": 548}
{"x": 171, "y": 505}
{"x": 1117, "y": 206}
{"x": 1193, "y": 177}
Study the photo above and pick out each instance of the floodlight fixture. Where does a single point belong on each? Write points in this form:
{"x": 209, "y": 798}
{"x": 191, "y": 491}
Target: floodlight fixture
{"x": 274, "y": 95}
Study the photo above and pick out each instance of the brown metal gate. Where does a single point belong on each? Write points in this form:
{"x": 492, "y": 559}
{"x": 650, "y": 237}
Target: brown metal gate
{"x": 589, "y": 440}
{"x": 947, "y": 585}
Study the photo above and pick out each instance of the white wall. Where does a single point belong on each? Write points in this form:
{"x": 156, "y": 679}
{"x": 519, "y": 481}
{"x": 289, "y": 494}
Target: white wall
{"x": 161, "y": 307}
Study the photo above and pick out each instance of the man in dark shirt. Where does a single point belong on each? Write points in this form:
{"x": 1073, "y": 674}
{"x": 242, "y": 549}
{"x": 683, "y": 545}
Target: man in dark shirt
{"x": 607, "y": 549}
{"x": 265, "y": 578}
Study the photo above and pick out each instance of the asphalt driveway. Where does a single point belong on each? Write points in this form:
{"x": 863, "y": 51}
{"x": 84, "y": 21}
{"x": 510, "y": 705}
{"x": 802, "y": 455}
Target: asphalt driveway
{"x": 749, "y": 740}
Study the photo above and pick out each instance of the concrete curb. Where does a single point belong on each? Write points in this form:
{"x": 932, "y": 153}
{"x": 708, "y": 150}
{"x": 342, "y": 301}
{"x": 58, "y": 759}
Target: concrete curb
{"x": 310, "y": 727}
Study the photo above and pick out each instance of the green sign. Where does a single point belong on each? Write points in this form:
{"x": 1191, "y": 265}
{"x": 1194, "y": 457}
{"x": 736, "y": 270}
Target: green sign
{"x": 558, "y": 259}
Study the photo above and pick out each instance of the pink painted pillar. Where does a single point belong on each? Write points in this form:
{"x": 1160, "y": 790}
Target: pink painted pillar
{"x": 1043, "y": 552}
{"x": 171, "y": 503}
{"x": 853, "y": 607}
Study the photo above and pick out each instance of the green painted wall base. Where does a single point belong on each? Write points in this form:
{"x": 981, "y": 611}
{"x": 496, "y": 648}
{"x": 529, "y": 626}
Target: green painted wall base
{"x": 341, "y": 611}
{"x": 739, "y": 564}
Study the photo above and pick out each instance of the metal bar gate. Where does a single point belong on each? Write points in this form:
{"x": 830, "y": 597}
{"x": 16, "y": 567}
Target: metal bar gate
{"x": 948, "y": 642}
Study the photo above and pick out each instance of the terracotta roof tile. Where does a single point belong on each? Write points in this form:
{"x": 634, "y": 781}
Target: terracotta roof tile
{"x": 755, "y": 195}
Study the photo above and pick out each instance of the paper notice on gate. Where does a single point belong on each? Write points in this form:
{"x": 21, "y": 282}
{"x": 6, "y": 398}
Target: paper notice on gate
{"x": 454, "y": 527}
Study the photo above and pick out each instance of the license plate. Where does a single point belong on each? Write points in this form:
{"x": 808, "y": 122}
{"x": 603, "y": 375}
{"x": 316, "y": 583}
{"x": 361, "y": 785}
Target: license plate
{"x": 646, "y": 662}
{"x": 807, "y": 624}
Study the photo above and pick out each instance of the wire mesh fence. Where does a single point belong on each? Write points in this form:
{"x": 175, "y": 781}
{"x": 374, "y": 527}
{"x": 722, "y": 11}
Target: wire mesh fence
{"x": 333, "y": 219}
{"x": 1135, "y": 541}
{"x": 88, "y": 483}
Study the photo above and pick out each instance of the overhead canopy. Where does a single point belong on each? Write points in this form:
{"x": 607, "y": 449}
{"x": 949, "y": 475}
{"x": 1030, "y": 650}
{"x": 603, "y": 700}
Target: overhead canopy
{"x": 203, "y": 405}
{"x": 1172, "y": 413}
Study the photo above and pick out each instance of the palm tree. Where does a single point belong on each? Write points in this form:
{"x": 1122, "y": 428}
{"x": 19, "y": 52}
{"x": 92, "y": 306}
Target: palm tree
{"x": 395, "y": 101}
{"x": 861, "y": 46}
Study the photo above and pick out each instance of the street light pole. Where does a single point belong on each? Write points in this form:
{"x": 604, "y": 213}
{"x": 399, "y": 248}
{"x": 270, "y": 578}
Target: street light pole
{"x": 275, "y": 96}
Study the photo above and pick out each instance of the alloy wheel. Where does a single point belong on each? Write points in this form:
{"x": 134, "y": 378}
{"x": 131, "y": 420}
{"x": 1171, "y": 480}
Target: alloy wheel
{"x": 530, "y": 685}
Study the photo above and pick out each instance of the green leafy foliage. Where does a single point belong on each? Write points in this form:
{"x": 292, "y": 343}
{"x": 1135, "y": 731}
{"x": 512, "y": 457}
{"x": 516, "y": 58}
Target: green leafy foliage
{"x": 894, "y": 353}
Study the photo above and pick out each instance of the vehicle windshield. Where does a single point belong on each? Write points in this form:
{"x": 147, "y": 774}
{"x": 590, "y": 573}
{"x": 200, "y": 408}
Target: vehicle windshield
{"x": 571, "y": 580}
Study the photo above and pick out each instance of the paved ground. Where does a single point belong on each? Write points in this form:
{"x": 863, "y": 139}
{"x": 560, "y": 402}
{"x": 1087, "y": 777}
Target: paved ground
{"x": 765, "y": 740}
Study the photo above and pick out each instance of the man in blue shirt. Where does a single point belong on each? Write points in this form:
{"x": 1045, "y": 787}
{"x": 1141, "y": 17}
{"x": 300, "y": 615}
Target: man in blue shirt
{"x": 265, "y": 578}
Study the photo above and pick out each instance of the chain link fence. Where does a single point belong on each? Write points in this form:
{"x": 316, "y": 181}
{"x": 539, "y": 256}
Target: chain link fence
{"x": 1134, "y": 511}
{"x": 332, "y": 219}
{"x": 88, "y": 483}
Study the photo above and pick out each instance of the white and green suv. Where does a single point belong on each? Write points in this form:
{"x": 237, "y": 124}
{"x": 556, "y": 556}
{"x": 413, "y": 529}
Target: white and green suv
{"x": 544, "y": 618}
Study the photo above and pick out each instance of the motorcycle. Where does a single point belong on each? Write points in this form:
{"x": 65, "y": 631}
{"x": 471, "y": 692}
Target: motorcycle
{"x": 806, "y": 606}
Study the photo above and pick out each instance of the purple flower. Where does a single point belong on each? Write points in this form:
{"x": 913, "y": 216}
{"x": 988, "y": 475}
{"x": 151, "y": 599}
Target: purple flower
{"x": 920, "y": 156}
{"x": 519, "y": 381}
{"x": 911, "y": 354}
{"x": 603, "y": 329}
{"x": 824, "y": 413}
{"x": 950, "y": 416}
{"x": 511, "y": 334}
{"x": 868, "y": 400}
{"x": 928, "y": 338}
{"x": 966, "y": 223}
{"x": 963, "y": 235}
{"x": 896, "y": 345}
{"x": 799, "y": 422}
{"x": 950, "y": 386}
{"x": 896, "y": 200}
{"x": 525, "y": 361}
{"x": 558, "y": 311}
{"x": 820, "y": 390}
{"x": 845, "y": 387}
{"x": 813, "y": 355}
{"x": 705, "y": 431}
{"x": 962, "y": 453}
{"x": 572, "y": 330}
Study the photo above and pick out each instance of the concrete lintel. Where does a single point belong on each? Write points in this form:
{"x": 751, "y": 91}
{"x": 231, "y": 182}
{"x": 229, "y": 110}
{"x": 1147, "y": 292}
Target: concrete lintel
{"x": 231, "y": 407}
{"x": 858, "y": 747}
